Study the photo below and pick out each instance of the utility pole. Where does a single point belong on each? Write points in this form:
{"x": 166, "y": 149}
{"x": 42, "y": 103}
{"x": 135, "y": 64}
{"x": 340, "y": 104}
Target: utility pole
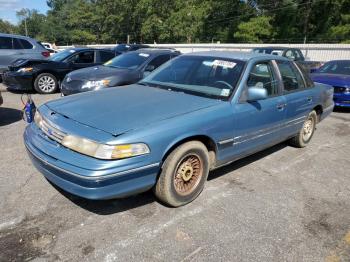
{"x": 25, "y": 25}
{"x": 128, "y": 39}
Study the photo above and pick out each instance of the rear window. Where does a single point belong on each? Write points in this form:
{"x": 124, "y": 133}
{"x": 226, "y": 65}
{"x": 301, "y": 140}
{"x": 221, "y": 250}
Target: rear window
{"x": 25, "y": 44}
{"x": 5, "y": 42}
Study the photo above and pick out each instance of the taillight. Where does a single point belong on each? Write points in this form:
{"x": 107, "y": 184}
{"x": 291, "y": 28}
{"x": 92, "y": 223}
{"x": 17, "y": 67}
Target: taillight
{"x": 45, "y": 53}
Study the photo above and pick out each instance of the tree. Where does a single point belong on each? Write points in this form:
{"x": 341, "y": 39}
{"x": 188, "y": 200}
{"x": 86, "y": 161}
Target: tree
{"x": 255, "y": 30}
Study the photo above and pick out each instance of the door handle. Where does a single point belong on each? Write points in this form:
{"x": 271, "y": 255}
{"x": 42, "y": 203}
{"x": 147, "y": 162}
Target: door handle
{"x": 281, "y": 106}
{"x": 309, "y": 99}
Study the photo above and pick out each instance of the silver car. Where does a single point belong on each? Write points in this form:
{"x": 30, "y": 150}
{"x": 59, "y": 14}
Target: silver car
{"x": 13, "y": 47}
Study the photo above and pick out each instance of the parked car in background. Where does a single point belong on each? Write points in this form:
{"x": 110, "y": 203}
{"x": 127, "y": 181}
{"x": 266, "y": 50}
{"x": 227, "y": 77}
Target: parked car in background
{"x": 49, "y": 47}
{"x": 124, "y": 69}
{"x": 197, "y": 112}
{"x": 337, "y": 74}
{"x": 44, "y": 75}
{"x": 13, "y": 47}
{"x": 294, "y": 54}
{"x": 122, "y": 48}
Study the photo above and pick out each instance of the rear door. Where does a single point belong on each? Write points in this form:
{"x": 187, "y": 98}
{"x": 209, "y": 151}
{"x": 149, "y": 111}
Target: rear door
{"x": 299, "y": 97}
{"x": 258, "y": 123}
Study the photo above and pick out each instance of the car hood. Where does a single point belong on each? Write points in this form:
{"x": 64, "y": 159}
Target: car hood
{"x": 29, "y": 62}
{"x": 332, "y": 79}
{"x": 121, "y": 109}
{"x": 97, "y": 73}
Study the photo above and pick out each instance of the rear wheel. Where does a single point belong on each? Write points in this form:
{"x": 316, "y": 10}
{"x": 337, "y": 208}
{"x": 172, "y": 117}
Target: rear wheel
{"x": 46, "y": 83}
{"x": 307, "y": 131}
{"x": 183, "y": 175}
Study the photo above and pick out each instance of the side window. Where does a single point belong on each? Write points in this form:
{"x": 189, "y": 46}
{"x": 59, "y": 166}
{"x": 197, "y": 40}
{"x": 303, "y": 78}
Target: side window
{"x": 105, "y": 56}
{"x": 290, "y": 54}
{"x": 298, "y": 55}
{"x": 25, "y": 44}
{"x": 86, "y": 57}
{"x": 5, "y": 42}
{"x": 261, "y": 76}
{"x": 292, "y": 80}
{"x": 158, "y": 61}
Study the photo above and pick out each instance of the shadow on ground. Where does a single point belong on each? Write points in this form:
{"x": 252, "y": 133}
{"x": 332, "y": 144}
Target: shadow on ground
{"x": 107, "y": 207}
{"x": 9, "y": 116}
{"x": 341, "y": 110}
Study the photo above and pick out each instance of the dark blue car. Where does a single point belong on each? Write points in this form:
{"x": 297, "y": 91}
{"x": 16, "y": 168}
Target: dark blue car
{"x": 195, "y": 113}
{"x": 337, "y": 74}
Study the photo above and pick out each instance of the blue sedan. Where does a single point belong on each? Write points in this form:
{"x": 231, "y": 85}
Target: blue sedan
{"x": 337, "y": 74}
{"x": 195, "y": 113}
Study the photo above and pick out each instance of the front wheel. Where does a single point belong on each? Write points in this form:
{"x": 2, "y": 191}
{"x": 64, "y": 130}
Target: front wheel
{"x": 307, "y": 131}
{"x": 46, "y": 83}
{"x": 183, "y": 175}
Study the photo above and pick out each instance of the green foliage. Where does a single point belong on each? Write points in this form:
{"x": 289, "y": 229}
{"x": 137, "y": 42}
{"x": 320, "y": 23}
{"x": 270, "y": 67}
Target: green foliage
{"x": 186, "y": 21}
{"x": 255, "y": 30}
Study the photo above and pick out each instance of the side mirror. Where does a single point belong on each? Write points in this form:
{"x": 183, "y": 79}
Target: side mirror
{"x": 313, "y": 70}
{"x": 150, "y": 68}
{"x": 256, "y": 93}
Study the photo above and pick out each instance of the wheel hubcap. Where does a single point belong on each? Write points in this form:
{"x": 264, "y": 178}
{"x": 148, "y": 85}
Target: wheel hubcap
{"x": 308, "y": 129}
{"x": 188, "y": 174}
{"x": 46, "y": 84}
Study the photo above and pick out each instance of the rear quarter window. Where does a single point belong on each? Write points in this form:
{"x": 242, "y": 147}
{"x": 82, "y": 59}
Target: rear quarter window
{"x": 308, "y": 81}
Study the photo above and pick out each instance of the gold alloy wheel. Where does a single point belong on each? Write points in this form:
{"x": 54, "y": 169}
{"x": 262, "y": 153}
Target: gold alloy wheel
{"x": 188, "y": 174}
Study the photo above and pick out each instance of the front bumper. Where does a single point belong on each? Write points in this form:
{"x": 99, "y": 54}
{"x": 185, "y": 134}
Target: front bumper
{"x": 342, "y": 99}
{"x": 18, "y": 81}
{"x": 128, "y": 180}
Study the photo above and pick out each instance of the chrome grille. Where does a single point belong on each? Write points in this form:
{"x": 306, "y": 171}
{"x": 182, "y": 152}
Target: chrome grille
{"x": 51, "y": 131}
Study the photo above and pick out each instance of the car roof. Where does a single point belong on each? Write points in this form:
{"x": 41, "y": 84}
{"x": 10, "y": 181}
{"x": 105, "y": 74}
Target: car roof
{"x": 17, "y": 36}
{"x": 88, "y": 48}
{"x": 156, "y": 51}
{"x": 274, "y": 48}
{"x": 238, "y": 55}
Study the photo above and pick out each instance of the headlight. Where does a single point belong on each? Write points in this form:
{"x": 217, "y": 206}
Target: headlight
{"x": 96, "y": 84}
{"x": 37, "y": 118}
{"x": 25, "y": 69}
{"x": 101, "y": 151}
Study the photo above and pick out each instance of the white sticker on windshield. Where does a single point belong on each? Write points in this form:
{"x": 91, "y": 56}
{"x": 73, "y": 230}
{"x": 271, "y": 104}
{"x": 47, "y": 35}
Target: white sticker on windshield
{"x": 223, "y": 63}
{"x": 72, "y": 51}
{"x": 225, "y": 92}
{"x": 143, "y": 54}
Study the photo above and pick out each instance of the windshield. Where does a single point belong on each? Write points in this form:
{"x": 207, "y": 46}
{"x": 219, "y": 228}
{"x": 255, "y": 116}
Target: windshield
{"x": 336, "y": 67}
{"x": 208, "y": 76}
{"x": 128, "y": 60}
{"x": 60, "y": 56}
{"x": 268, "y": 51}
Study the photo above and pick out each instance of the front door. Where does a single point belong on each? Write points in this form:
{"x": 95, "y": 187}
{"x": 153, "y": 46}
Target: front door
{"x": 257, "y": 123}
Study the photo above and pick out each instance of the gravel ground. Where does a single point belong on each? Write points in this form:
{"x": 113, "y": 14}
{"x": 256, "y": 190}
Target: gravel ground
{"x": 282, "y": 204}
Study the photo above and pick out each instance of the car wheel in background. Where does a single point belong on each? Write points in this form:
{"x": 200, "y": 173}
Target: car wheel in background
{"x": 46, "y": 83}
{"x": 183, "y": 175}
{"x": 307, "y": 131}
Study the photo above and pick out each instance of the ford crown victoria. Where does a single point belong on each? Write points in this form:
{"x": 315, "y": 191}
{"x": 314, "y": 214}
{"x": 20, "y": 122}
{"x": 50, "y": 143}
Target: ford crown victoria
{"x": 195, "y": 113}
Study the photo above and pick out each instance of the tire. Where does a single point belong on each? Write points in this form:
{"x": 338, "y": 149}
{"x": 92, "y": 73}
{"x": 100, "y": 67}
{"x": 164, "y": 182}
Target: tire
{"x": 46, "y": 83}
{"x": 306, "y": 132}
{"x": 183, "y": 175}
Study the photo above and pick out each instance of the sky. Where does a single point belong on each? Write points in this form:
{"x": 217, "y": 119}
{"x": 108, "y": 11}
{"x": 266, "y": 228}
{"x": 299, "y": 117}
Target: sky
{"x": 8, "y": 8}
